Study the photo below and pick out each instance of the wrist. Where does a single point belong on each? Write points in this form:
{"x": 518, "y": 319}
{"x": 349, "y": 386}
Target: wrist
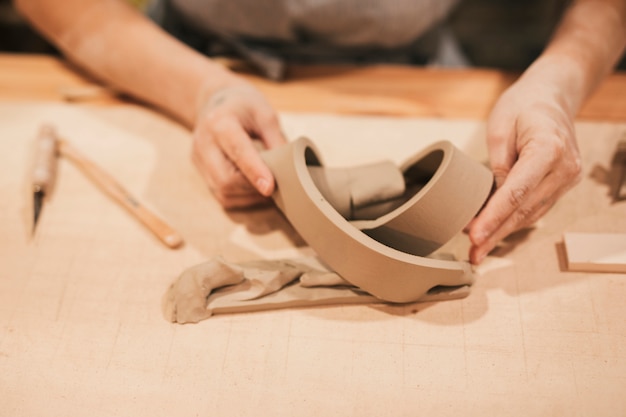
{"x": 583, "y": 50}
{"x": 560, "y": 77}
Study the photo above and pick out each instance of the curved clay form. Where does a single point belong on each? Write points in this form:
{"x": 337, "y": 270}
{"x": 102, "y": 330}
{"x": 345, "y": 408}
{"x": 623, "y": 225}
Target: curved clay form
{"x": 385, "y": 256}
{"x": 357, "y": 192}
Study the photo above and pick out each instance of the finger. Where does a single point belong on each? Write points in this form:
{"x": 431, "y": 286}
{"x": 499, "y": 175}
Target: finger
{"x": 535, "y": 206}
{"x": 522, "y": 182}
{"x": 221, "y": 175}
{"x": 238, "y": 147}
{"x": 530, "y": 215}
{"x": 238, "y": 193}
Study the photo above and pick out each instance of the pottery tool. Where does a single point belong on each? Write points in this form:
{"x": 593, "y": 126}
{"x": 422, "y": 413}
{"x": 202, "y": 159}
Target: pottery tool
{"x": 110, "y": 186}
{"x": 44, "y": 169}
{"x": 619, "y": 168}
{"x": 49, "y": 146}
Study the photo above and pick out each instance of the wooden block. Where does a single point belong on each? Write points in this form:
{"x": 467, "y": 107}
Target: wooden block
{"x": 596, "y": 252}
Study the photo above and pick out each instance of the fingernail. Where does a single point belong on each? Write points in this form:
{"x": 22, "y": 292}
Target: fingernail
{"x": 263, "y": 185}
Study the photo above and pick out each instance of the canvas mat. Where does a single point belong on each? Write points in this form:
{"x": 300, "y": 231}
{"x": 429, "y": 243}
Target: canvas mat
{"x": 81, "y": 329}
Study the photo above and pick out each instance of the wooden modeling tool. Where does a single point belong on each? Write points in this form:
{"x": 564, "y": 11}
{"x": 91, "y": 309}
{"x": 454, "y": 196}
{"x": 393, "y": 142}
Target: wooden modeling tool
{"x": 49, "y": 146}
{"x": 44, "y": 169}
{"x": 157, "y": 226}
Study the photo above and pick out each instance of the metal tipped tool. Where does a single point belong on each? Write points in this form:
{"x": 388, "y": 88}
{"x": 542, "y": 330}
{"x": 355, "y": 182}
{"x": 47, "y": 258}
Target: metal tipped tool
{"x": 44, "y": 169}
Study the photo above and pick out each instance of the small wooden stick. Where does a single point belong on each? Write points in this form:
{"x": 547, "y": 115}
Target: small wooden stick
{"x": 161, "y": 230}
{"x": 45, "y": 162}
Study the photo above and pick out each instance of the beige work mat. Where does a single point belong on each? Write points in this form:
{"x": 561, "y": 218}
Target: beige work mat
{"x": 82, "y": 332}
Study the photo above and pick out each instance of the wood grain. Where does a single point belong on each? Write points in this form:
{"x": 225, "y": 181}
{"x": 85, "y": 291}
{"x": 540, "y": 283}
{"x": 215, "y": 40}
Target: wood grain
{"x": 368, "y": 90}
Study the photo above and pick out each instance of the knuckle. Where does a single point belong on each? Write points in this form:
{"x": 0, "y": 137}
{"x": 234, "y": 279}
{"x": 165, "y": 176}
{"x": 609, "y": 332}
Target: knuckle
{"x": 575, "y": 169}
{"x": 218, "y": 187}
{"x": 559, "y": 149}
{"x": 518, "y": 195}
{"x": 522, "y": 216}
{"x": 230, "y": 146}
{"x": 524, "y": 213}
{"x": 203, "y": 129}
{"x": 555, "y": 149}
{"x": 267, "y": 118}
{"x": 570, "y": 170}
{"x": 235, "y": 151}
{"x": 228, "y": 139}
{"x": 497, "y": 132}
{"x": 220, "y": 191}
{"x": 500, "y": 172}
{"x": 220, "y": 126}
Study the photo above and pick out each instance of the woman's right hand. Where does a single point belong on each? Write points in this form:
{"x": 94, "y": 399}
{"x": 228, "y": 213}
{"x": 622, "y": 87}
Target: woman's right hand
{"x": 229, "y": 122}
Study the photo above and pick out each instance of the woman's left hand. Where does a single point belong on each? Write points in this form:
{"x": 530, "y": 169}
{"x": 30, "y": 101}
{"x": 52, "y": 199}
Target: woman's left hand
{"x": 534, "y": 158}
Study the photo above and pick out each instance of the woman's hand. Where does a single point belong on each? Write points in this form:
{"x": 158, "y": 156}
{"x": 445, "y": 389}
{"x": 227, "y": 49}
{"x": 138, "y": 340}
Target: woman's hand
{"x": 530, "y": 133}
{"x": 229, "y": 123}
{"x": 534, "y": 158}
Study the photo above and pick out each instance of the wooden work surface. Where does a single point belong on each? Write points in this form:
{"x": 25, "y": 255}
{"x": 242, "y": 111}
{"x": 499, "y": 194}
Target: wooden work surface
{"x": 377, "y": 90}
{"x": 81, "y": 329}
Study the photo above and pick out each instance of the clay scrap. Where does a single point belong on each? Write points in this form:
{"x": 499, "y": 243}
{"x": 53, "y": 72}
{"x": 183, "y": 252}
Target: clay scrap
{"x": 219, "y": 287}
{"x": 595, "y": 252}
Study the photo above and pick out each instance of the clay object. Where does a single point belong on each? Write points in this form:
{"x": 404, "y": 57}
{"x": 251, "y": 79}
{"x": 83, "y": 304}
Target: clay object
{"x": 218, "y": 286}
{"x": 386, "y": 261}
{"x": 445, "y": 190}
{"x": 360, "y": 192}
{"x": 596, "y": 252}
{"x": 185, "y": 299}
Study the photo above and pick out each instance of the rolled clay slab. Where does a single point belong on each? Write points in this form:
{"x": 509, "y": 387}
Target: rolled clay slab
{"x": 387, "y": 256}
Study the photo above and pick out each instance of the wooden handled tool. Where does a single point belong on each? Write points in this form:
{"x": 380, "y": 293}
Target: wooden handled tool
{"x": 161, "y": 230}
{"x": 44, "y": 171}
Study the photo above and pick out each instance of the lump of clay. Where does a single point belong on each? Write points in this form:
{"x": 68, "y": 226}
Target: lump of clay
{"x": 360, "y": 192}
{"x": 218, "y": 286}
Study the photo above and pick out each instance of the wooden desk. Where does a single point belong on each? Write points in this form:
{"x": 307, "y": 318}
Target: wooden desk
{"x": 81, "y": 331}
{"x": 380, "y": 90}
